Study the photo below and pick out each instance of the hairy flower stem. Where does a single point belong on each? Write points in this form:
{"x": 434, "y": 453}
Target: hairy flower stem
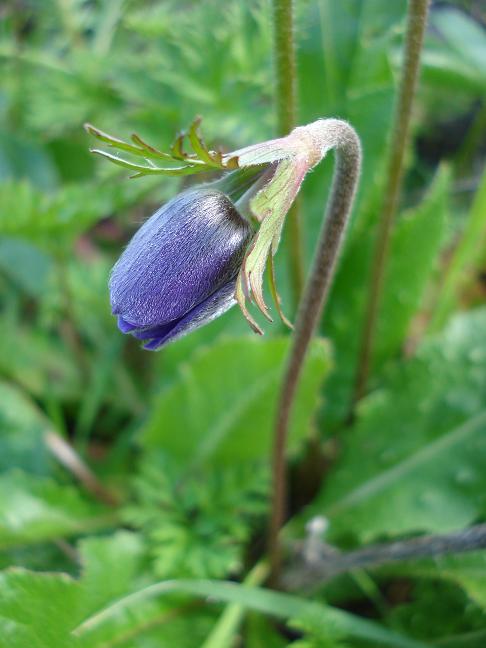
{"x": 417, "y": 20}
{"x": 286, "y": 104}
{"x": 344, "y": 139}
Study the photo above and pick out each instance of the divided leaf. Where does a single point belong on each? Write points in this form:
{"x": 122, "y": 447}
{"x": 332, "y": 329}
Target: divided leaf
{"x": 221, "y": 406}
{"x": 202, "y": 160}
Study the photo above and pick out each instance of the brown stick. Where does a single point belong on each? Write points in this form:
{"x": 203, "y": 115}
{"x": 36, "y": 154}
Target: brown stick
{"x": 328, "y": 562}
{"x": 67, "y": 456}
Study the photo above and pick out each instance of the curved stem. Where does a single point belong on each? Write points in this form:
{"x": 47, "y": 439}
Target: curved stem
{"x": 286, "y": 105}
{"x": 417, "y": 20}
{"x": 343, "y": 138}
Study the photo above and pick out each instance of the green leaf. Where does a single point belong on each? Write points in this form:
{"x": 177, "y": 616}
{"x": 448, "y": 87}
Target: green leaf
{"x": 110, "y": 567}
{"x": 41, "y": 610}
{"x": 439, "y": 616}
{"x": 36, "y": 361}
{"x": 468, "y": 571}
{"x": 22, "y": 429}
{"x": 38, "y": 509}
{"x": 415, "y": 459}
{"x": 54, "y": 219}
{"x": 197, "y": 524}
{"x": 142, "y": 169}
{"x": 227, "y": 627}
{"x": 415, "y": 246}
{"x": 332, "y": 621}
{"x": 21, "y": 158}
{"x": 465, "y": 260}
{"x": 202, "y": 160}
{"x": 25, "y": 264}
{"x": 348, "y": 46}
{"x": 37, "y": 610}
{"x": 456, "y": 50}
{"x": 222, "y": 405}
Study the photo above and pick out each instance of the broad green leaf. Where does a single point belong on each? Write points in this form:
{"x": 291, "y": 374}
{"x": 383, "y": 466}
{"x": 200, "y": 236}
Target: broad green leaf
{"x": 456, "y": 50}
{"x": 347, "y": 45}
{"x": 222, "y": 405}
{"x": 466, "y": 258}
{"x": 38, "y": 610}
{"x": 20, "y": 158}
{"x": 38, "y": 509}
{"x": 42, "y": 609}
{"x": 461, "y": 33}
{"x": 330, "y": 620}
{"x": 22, "y": 428}
{"x": 110, "y": 567}
{"x": 37, "y": 362}
{"x": 415, "y": 459}
{"x": 415, "y": 244}
{"x": 26, "y": 265}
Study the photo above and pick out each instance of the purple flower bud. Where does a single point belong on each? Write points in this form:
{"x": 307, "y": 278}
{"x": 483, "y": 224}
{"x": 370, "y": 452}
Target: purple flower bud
{"x": 179, "y": 270}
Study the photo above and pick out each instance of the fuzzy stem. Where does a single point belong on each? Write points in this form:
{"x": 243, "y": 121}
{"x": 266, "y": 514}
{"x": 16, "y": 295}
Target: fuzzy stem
{"x": 417, "y": 20}
{"x": 344, "y": 139}
{"x": 286, "y": 105}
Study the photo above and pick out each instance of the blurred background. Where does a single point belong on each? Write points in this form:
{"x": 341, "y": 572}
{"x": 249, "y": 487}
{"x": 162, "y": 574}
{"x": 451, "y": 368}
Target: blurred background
{"x": 96, "y": 435}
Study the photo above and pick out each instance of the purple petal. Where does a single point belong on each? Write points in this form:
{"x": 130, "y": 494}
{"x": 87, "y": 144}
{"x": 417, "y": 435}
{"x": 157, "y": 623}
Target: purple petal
{"x": 155, "y": 331}
{"x": 185, "y": 252}
{"x": 124, "y": 326}
{"x": 214, "y": 306}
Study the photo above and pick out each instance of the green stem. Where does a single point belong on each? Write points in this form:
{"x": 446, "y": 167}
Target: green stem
{"x": 286, "y": 105}
{"x": 223, "y": 633}
{"x": 417, "y": 20}
{"x": 344, "y": 139}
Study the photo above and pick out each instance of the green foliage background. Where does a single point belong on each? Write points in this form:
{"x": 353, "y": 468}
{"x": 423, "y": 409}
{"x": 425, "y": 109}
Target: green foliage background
{"x": 177, "y": 443}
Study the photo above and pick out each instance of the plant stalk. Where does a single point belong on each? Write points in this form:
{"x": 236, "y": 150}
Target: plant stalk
{"x": 68, "y": 457}
{"x": 346, "y": 175}
{"x": 331, "y": 562}
{"x": 416, "y": 24}
{"x": 286, "y": 106}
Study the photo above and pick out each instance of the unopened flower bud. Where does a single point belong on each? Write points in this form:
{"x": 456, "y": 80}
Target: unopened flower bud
{"x": 179, "y": 270}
